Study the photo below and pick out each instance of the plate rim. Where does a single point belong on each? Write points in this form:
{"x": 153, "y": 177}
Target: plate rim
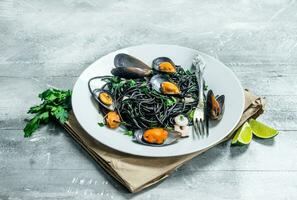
{"x": 164, "y": 45}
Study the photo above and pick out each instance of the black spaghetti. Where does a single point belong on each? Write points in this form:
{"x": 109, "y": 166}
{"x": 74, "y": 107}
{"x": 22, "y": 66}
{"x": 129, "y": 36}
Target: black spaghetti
{"x": 142, "y": 107}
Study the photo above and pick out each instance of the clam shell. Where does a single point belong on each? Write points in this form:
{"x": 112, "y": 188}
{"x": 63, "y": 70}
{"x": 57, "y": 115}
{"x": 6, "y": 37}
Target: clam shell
{"x": 157, "y": 80}
{"x": 97, "y": 85}
{"x": 95, "y": 94}
{"x": 130, "y": 72}
{"x": 220, "y": 99}
{"x": 172, "y": 138}
{"x": 125, "y": 60}
{"x": 157, "y": 61}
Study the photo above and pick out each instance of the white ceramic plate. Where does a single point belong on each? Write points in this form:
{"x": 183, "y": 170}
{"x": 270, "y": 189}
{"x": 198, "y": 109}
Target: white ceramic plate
{"x": 218, "y": 77}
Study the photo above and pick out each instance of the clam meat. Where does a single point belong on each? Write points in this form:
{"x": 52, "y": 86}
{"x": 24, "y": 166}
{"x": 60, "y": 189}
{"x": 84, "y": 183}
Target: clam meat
{"x": 104, "y": 98}
{"x": 161, "y": 84}
{"x": 112, "y": 120}
{"x": 156, "y": 137}
{"x": 215, "y": 105}
{"x": 164, "y": 64}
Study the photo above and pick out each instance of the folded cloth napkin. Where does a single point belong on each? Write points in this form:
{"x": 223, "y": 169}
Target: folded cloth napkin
{"x": 136, "y": 172}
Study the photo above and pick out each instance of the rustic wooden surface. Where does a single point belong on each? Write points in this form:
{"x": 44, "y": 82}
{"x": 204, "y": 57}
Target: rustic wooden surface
{"x": 49, "y": 43}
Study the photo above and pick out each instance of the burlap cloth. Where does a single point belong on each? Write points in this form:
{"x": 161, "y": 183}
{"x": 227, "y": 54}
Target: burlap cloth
{"x": 137, "y": 173}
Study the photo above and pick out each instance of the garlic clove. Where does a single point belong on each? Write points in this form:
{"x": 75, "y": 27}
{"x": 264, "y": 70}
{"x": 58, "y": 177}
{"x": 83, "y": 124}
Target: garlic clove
{"x": 181, "y": 120}
{"x": 184, "y": 130}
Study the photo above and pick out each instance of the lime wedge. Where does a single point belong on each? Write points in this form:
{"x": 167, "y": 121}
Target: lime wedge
{"x": 262, "y": 130}
{"x": 243, "y": 135}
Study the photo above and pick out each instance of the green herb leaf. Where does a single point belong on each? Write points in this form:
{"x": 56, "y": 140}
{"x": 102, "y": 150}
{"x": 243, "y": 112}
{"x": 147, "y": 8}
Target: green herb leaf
{"x": 44, "y": 117}
{"x": 143, "y": 88}
{"x": 45, "y": 93}
{"x": 170, "y": 102}
{"x": 101, "y": 124}
{"x": 37, "y": 108}
{"x": 205, "y": 87}
{"x": 129, "y": 133}
{"x": 55, "y": 105}
{"x": 115, "y": 79}
{"x": 188, "y": 72}
{"x": 191, "y": 115}
{"x": 35, "y": 122}
{"x": 131, "y": 83}
{"x": 124, "y": 123}
{"x": 60, "y": 114}
{"x": 31, "y": 126}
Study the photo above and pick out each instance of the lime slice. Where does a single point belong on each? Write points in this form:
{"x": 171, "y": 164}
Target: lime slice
{"x": 262, "y": 130}
{"x": 243, "y": 136}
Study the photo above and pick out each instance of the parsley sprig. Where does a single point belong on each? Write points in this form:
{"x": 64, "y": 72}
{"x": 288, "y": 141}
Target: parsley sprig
{"x": 55, "y": 106}
{"x": 170, "y": 101}
{"x": 129, "y": 132}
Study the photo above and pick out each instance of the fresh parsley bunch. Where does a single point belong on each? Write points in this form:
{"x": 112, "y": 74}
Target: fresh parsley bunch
{"x": 55, "y": 106}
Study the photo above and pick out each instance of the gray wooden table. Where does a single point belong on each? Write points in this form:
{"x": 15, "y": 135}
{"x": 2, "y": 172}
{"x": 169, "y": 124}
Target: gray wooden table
{"x": 49, "y": 43}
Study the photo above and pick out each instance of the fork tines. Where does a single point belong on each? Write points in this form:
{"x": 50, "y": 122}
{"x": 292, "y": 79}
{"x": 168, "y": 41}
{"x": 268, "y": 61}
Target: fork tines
{"x": 200, "y": 123}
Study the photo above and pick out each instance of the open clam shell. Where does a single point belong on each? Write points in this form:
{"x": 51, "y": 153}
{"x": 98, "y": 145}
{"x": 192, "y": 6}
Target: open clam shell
{"x": 172, "y": 138}
{"x": 130, "y": 67}
{"x": 96, "y": 85}
{"x": 130, "y": 72}
{"x": 221, "y": 100}
{"x": 125, "y": 60}
{"x": 215, "y": 105}
{"x": 168, "y": 67}
{"x": 96, "y": 95}
{"x": 157, "y": 81}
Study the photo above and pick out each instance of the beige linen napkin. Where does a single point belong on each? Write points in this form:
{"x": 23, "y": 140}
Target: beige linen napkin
{"x": 135, "y": 172}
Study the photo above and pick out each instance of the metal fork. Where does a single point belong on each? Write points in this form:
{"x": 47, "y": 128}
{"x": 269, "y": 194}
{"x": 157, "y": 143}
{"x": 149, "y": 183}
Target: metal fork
{"x": 200, "y": 120}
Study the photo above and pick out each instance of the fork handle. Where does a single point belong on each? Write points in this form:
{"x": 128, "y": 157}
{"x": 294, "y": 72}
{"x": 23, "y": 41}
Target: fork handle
{"x": 201, "y": 88}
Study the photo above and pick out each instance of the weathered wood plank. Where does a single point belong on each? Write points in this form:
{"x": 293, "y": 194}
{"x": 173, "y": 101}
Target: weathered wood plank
{"x": 39, "y": 70}
{"x": 47, "y": 35}
{"x": 82, "y": 184}
{"x": 52, "y": 148}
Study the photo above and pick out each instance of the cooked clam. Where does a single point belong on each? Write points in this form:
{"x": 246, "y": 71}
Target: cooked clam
{"x": 169, "y": 88}
{"x": 156, "y": 137}
{"x": 104, "y": 98}
{"x": 125, "y": 60}
{"x": 160, "y": 83}
{"x": 164, "y": 64}
{"x": 112, "y": 120}
{"x": 130, "y": 72}
{"x": 215, "y": 105}
{"x": 129, "y": 67}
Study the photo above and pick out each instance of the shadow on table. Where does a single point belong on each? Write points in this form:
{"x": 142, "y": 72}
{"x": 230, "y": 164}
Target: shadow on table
{"x": 266, "y": 142}
{"x": 238, "y": 150}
